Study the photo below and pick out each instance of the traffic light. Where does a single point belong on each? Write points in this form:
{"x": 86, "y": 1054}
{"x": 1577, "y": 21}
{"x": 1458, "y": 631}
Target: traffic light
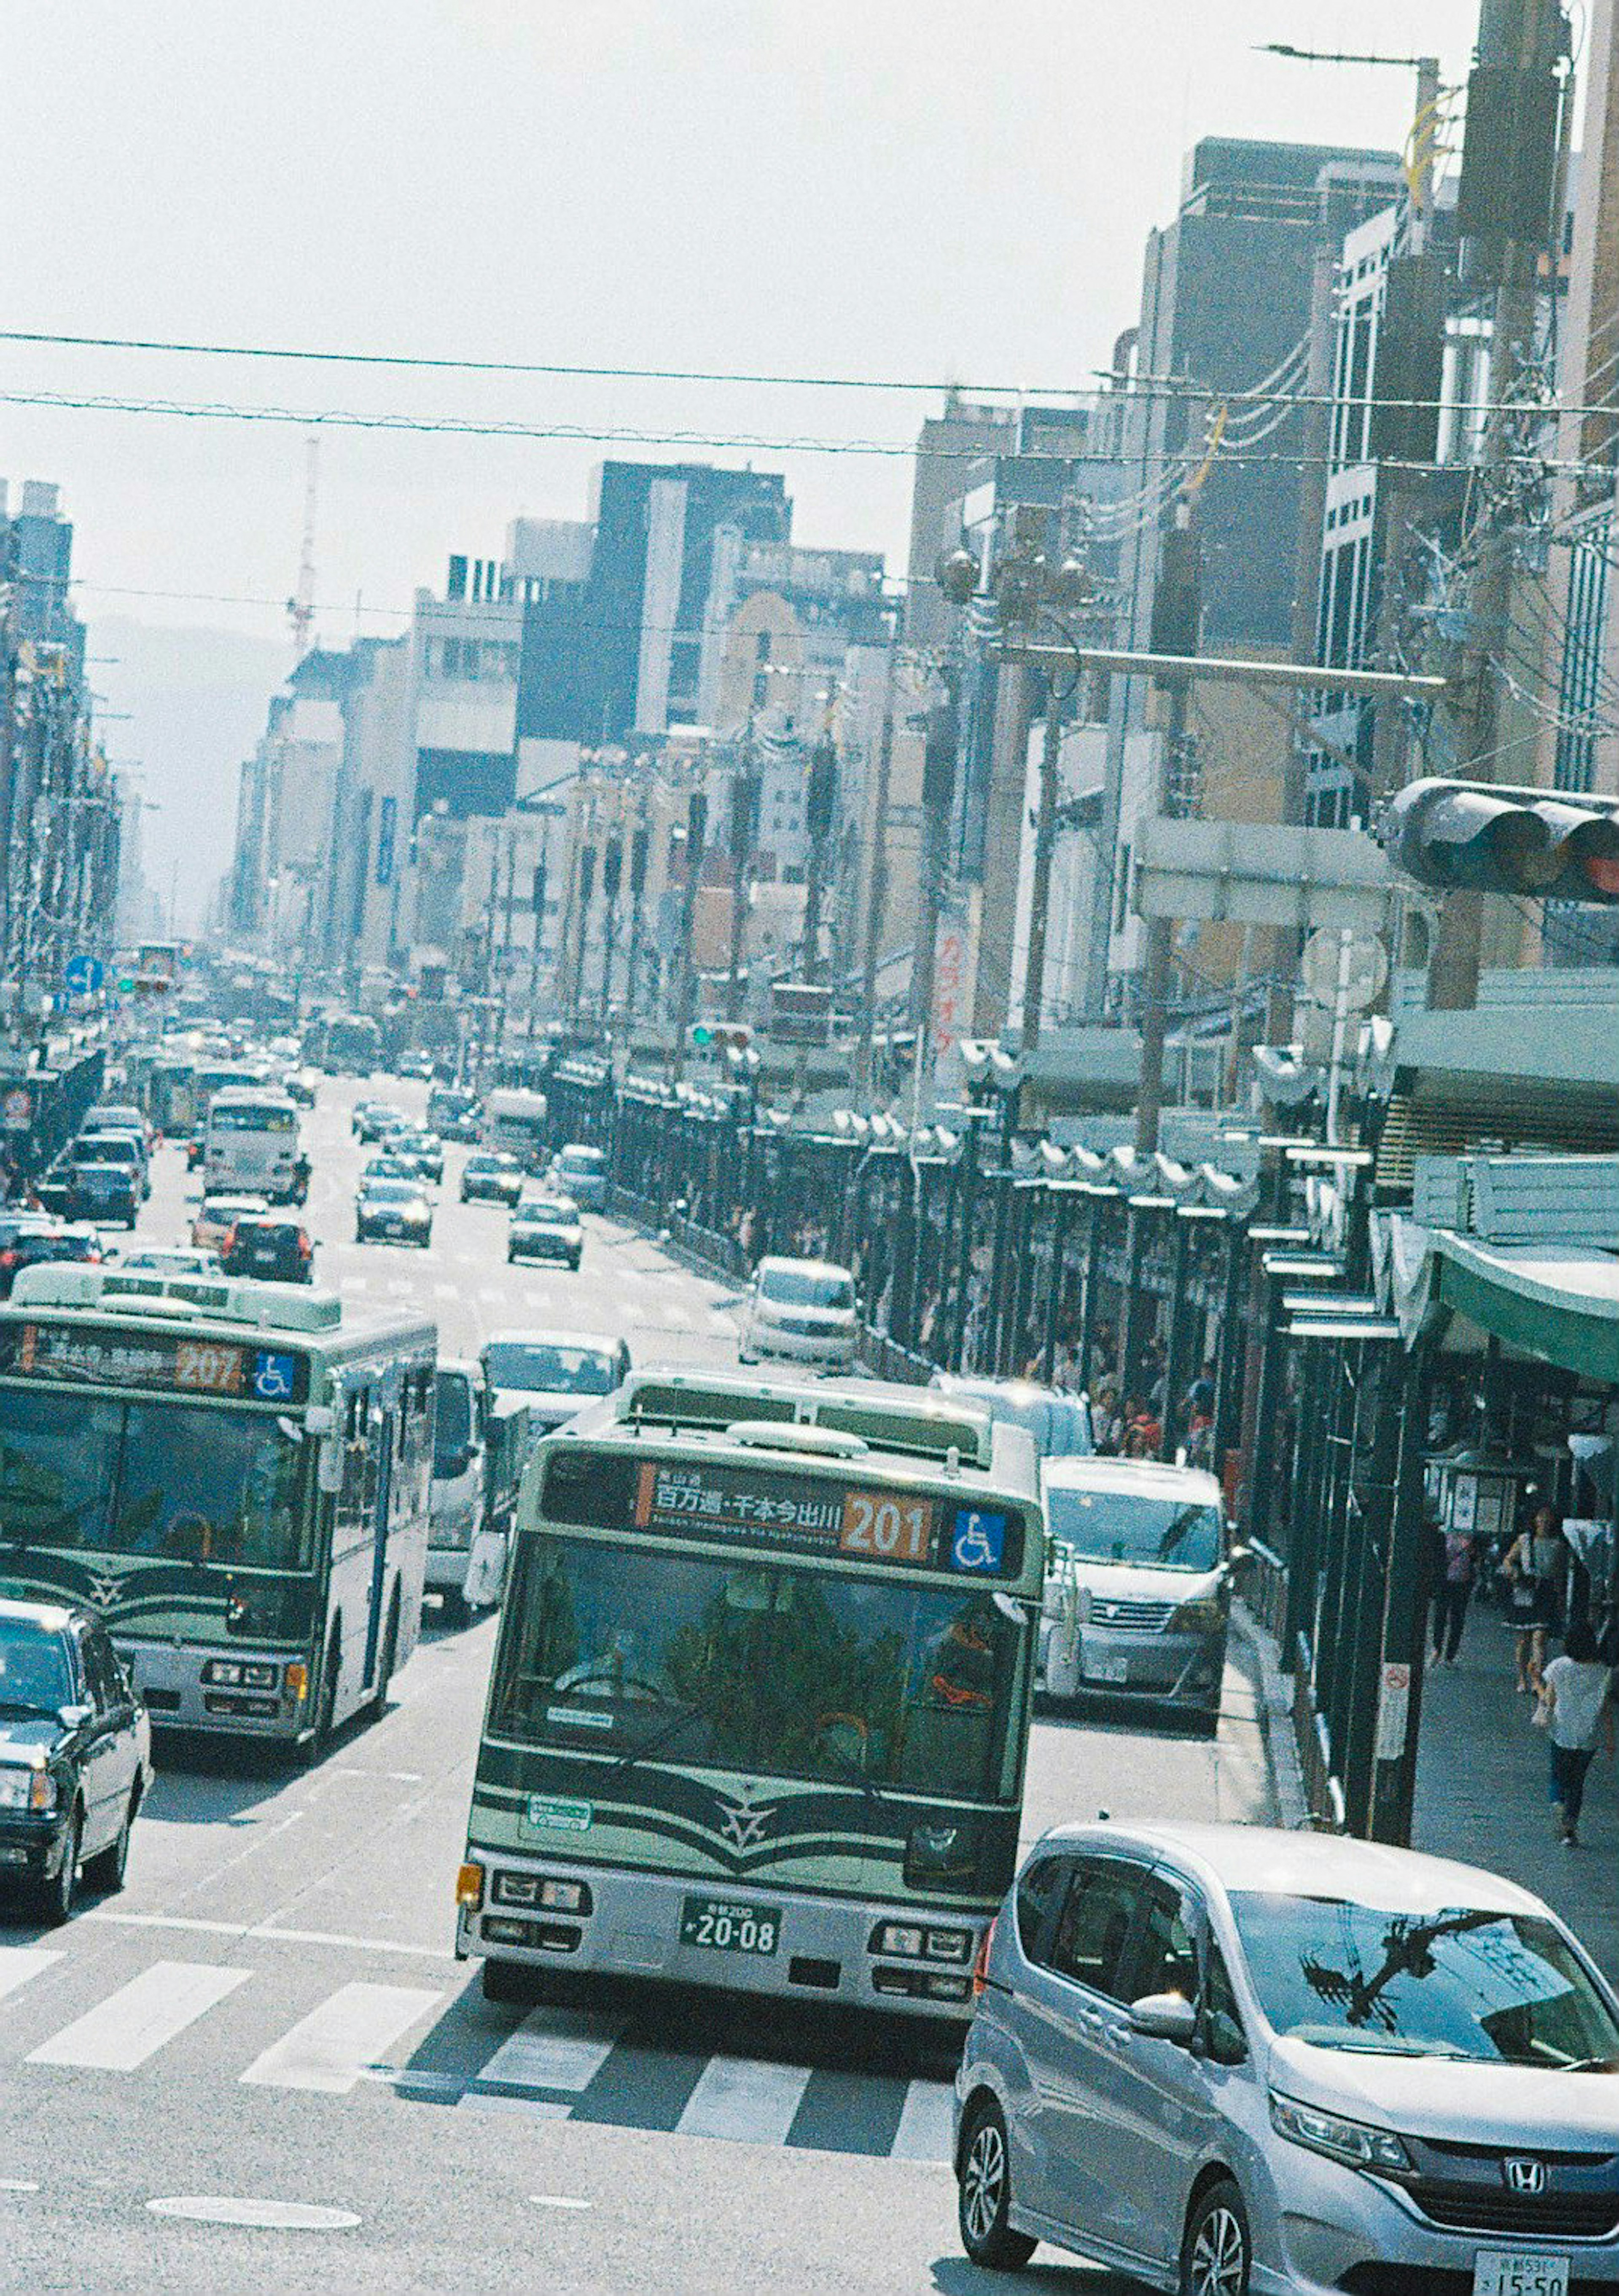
{"x": 719, "y": 1037}
{"x": 1547, "y": 844}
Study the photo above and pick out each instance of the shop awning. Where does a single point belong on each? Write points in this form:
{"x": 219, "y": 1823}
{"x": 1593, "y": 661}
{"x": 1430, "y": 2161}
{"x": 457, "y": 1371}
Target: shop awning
{"x": 1552, "y": 1301}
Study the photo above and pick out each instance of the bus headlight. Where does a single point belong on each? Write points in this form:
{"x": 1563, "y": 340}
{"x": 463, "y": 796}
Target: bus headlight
{"x": 242, "y": 1673}
{"x": 912, "y": 1942}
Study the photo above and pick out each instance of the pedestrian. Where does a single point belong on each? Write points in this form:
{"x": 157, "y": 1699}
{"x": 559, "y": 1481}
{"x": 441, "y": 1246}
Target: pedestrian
{"x": 1537, "y": 1580}
{"x": 1574, "y": 1706}
{"x": 1458, "y": 1561}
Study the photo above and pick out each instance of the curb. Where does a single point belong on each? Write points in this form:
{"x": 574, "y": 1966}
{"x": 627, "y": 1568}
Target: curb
{"x": 1276, "y": 1719}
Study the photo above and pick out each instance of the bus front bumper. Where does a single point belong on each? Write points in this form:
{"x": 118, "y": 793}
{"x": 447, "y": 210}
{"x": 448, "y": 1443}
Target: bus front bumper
{"x": 190, "y": 1686}
{"x": 648, "y": 1925}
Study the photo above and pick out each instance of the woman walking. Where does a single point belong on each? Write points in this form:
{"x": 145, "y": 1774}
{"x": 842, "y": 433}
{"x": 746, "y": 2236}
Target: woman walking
{"x": 1537, "y": 1584}
{"x": 1457, "y": 1568}
{"x": 1574, "y": 1707}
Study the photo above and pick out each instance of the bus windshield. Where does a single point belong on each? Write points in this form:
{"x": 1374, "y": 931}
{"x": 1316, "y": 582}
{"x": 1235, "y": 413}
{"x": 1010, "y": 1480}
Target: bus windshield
{"x": 252, "y": 1116}
{"x": 757, "y": 1667}
{"x": 166, "y": 1479}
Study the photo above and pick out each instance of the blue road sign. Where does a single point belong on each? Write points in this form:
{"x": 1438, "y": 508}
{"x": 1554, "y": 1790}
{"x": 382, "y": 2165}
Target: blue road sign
{"x": 83, "y": 974}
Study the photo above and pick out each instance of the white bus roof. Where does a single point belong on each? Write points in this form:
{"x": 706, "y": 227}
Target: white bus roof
{"x": 913, "y": 1421}
{"x": 193, "y": 1300}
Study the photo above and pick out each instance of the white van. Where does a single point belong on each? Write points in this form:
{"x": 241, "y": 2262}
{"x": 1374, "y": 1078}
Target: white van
{"x": 1137, "y": 1592}
{"x": 250, "y": 1140}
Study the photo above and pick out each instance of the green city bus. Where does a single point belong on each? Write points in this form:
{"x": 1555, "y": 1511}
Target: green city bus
{"x": 760, "y": 1702}
{"x": 235, "y": 1475}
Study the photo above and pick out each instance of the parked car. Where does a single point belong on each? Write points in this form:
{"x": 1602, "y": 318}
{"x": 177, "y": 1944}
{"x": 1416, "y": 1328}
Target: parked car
{"x": 104, "y": 1192}
{"x": 1059, "y": 1425}
{"x": 395, "y": 1212}
{"x": 1219, "y": 2058}
{"x": 556, "y": 1373}
{"x": 580, "y": 1172}
{"x": 491, "y": 1177}
{"x": 75, "y": 1755}
{"x": 217, "y": 1216}
{"x": 28, "y": 1239}
{"x": 1138, "y": 1590}
{"x": 545, "y": 1227}
{"x": 800, "y": 1311}
{"x": 268, "y": 1244}
{"x": 417, "y": 1066}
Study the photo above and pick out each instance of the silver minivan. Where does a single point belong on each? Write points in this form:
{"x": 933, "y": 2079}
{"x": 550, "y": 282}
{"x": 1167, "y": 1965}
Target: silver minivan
{"x": 1138, "y": 1582}
{"x": 1225, "y": 2059}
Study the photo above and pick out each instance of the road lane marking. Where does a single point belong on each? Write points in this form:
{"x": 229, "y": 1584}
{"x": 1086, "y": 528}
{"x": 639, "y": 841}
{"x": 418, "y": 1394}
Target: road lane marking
{"x": 565, "y": 2052}
{"x": 744, "y": 2100}
{"x": 131, "y": 2024}
{"x": 18, "y": 1962}
{"x": 199, "y": 1926}
{"x": 268, "y": 2216}
{"x": 30, "y": 2185}
{"x": 329, "y": 2049}
{"x": 557, "y": 2200}
{"x": 927, "y": 2129}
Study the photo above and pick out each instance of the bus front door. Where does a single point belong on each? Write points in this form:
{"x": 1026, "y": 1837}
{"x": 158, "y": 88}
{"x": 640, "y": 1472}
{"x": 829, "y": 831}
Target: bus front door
{"x": 378, "y": 1553}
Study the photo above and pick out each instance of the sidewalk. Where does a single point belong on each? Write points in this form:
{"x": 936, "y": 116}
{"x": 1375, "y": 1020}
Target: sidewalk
{"x": 1482, "y": 1795}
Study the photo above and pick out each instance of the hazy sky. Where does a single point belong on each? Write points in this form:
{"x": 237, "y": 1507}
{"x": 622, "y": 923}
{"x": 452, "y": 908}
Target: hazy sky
{"x": 937, "y": 189}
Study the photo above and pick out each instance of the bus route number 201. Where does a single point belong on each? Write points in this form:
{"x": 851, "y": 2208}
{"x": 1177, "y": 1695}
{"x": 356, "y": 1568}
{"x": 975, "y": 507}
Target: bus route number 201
{"x": 896, "y": 1530}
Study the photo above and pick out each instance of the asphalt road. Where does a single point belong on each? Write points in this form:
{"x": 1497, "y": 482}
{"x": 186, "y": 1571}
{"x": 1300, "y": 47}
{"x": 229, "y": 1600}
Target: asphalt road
{"x": 270, "y": 2020}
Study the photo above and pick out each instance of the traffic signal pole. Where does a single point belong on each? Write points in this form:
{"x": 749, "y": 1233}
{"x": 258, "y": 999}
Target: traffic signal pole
{"x": 1520, "y": 35}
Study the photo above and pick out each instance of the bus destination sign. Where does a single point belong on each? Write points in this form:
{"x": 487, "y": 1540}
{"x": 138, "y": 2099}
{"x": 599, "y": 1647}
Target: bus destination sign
{"x": 785, "y": 1511}
{"x": 178, "y": 1366}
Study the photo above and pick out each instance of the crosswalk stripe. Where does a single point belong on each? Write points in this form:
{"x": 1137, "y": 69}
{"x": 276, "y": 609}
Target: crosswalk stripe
{"x": 131, "y": 2024}
{"x": 329, "y": 2048}
{"x": 926, "y": 2128}
{"x": 744, "y": 2100}
{"x": 18, "y": 1962}
{"x": 565, "y": 2052}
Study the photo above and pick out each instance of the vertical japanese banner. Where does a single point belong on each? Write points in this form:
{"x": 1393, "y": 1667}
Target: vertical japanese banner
{"x": 952, "y": 979}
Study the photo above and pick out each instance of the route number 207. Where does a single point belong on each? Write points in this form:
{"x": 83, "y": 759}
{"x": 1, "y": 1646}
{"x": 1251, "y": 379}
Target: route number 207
{"x": 897, "y": 1529}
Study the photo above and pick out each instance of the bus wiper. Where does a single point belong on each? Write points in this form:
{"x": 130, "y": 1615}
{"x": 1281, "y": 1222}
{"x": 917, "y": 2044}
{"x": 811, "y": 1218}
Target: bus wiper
{"x": 25, "y": 1706}
{"x": 687, "y": 1715}
{"x": 852, "y": 1770}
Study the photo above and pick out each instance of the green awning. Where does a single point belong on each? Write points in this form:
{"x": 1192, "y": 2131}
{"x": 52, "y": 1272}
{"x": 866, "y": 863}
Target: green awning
{"x": 1558, "y": 1304}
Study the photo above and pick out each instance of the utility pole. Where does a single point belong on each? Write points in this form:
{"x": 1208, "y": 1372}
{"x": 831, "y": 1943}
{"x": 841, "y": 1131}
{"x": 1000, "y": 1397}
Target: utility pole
{"x": 744, "y": 803}
{"x": 938, "y": 795}
{"x": 1175, "y": 615}
{"x": 612, "y": 875}
{"x": 877, "y": 879}
{"x": 697, "y": 830}
{"x": 1505, "y": 218}
{"x": 821, "y": 807}
{"x": 587, "y": 885}
{"x": 1040, "y": 890}
{"x": 639, "y": 843}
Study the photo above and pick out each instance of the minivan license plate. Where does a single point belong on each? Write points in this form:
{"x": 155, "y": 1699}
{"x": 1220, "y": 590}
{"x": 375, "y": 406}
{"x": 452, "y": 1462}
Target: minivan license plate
{"x": 1500, "y": 2272}
{"x": 724, "y": 1925}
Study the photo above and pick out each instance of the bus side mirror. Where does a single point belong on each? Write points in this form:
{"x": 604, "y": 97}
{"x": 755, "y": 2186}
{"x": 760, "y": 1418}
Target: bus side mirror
{"x": 320, "y": 1419}
{"x": 329, "y": 1463}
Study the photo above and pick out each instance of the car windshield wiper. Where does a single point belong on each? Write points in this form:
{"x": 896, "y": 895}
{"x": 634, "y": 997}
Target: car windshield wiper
{"x": 25, "y": 1706}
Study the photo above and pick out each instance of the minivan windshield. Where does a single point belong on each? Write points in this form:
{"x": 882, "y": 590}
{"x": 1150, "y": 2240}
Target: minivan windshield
{"x": 538, "y": 1367}
{"x": 1141, "y": 1527}
{"x": 1500, "y": 1988}
{"x": 452, "y": 1420}
{"x": 805, "y": 1287}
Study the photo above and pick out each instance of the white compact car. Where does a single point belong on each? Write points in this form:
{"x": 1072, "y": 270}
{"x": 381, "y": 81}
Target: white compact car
{"x": 800, "y": 1311}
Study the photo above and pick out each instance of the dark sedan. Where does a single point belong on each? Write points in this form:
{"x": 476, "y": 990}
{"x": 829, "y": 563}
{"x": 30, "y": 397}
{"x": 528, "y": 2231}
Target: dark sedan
{"x": 393, "y": 1211}
{"x": 546, "y": 1227}
{"x": 27, "y": 1238}
{"x": 104, "y": 1192}
{"x": 491, "y": 1177}
{"x": 279, "y": 1250}
{"x": 75, "y": 1755}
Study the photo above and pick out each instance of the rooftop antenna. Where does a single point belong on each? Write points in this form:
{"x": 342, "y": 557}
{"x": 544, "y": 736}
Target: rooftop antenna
{"x": 301, "y": 609}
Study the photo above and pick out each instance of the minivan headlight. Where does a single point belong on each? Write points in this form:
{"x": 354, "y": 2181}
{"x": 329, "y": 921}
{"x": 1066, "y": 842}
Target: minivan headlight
{"x": 1352, "y": 2142}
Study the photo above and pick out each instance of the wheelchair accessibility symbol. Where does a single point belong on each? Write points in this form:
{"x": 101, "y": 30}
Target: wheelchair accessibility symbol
{"x": 979, "y": 1542}
{"x": 273, "y": 1377}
